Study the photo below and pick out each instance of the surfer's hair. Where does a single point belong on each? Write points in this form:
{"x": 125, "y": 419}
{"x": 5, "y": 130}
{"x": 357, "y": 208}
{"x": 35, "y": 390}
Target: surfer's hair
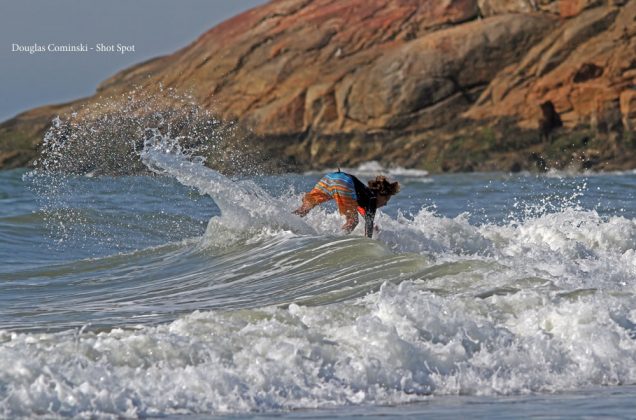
{"x": 382, "y": 186}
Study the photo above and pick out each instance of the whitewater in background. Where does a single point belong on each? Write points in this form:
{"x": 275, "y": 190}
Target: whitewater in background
{"x": 193, "y": 293}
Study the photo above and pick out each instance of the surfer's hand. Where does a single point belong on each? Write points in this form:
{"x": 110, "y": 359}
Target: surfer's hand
{"x": 302, "y": 212}
{"x": 350, "y": 225}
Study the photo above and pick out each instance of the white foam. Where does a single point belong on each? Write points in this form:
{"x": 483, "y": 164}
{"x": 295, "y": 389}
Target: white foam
{"x": 373, "y": 168}
{"x": 399, "y": 344}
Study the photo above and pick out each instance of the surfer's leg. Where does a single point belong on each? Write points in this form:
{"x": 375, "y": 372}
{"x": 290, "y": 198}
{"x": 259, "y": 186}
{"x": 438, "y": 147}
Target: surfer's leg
{"x": 344, "y": 192}
{"x": 311, "y": 200}
{"x": 347, "y": 206}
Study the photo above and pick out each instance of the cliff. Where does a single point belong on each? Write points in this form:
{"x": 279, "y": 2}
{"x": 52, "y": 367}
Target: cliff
{"x": 444, "y": 85}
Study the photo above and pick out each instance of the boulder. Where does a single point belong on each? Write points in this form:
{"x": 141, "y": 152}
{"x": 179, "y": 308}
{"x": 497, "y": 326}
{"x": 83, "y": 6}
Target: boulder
{"x": 429, "y": 81}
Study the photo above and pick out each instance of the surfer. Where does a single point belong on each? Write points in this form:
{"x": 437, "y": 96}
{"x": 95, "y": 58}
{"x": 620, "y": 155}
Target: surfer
{"x": 352, "y": 197}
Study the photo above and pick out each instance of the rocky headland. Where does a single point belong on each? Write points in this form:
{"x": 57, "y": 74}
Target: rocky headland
{"x": 442, "y": 85}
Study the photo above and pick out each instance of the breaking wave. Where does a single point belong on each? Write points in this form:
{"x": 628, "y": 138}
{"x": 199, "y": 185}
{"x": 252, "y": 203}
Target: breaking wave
{"x": 264, "y": 311}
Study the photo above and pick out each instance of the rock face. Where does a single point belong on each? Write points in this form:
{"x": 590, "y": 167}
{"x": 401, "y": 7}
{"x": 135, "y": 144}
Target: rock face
{"x": 582, "y": 67}
{"x": 445, "y": 85}
{"x": 452, "y": 66}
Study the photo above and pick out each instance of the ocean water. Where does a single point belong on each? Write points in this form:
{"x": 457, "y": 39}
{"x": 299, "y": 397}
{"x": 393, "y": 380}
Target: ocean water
{"x": 189, "y": 293}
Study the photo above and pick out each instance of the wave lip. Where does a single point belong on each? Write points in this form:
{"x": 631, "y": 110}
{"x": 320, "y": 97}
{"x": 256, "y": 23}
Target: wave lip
{"x": 242, "y": 202}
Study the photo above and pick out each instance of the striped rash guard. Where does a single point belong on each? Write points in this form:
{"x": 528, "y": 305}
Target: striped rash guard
{"x": 351, "y": 196}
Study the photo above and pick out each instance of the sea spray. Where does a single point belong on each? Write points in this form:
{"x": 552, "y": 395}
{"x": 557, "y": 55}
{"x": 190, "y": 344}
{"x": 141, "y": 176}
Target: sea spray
{"x": 242, "y": 203}
{"x": 106, "y": 139}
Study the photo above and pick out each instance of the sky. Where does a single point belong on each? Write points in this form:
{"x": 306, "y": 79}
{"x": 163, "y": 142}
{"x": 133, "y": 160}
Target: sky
{"x": 153, "y": 27}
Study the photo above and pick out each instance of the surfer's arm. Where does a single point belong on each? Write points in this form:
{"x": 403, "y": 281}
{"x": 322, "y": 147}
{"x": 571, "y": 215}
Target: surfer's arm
{"x": 368, "y": 224}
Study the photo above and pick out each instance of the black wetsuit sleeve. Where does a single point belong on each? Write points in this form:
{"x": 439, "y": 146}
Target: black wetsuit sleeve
{"x": 368, "y": 223}
{"x": 366, "y": 200}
